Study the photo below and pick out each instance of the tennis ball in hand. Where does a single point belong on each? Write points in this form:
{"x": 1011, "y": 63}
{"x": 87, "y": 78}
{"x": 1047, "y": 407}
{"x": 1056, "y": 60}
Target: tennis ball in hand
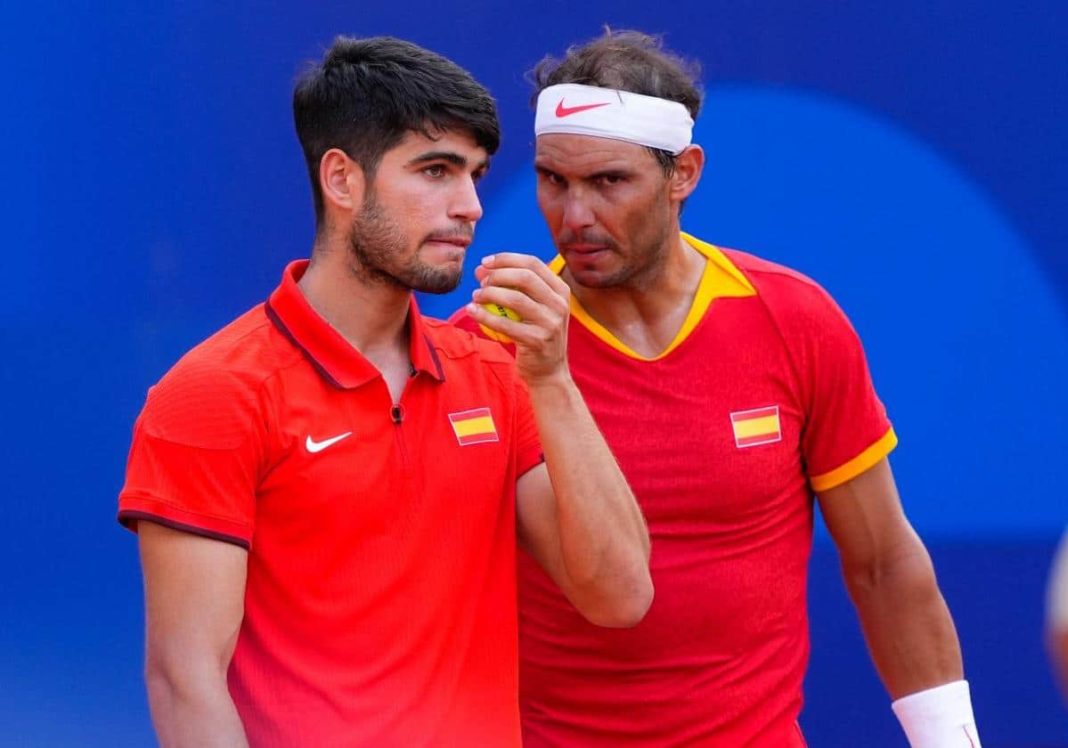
{"x": 500, "y": 311}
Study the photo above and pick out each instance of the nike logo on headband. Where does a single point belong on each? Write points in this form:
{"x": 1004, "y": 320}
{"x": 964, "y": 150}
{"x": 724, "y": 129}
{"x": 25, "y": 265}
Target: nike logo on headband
{"x": 567, "y": 111}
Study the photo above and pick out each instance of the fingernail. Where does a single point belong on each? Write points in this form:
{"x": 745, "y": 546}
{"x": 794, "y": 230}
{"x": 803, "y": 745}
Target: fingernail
{"x": 487, "y": 260}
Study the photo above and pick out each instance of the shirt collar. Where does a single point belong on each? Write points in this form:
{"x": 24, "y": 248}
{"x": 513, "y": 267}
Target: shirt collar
{"x": 720, "y": 279}
{"x": 337, "y": 360}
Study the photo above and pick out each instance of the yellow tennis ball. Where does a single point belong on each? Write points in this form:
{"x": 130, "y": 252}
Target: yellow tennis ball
{"x": 500, "y": 311}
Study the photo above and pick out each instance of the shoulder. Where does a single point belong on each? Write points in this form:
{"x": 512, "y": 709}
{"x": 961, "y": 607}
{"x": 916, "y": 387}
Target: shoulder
{"x": 472, "y": 358}
{"x": 461, "y": 319}
{"x": 457, "y": 341}
{"x": 214, "y": 392}
{"x": 791, "y": 298}
{"x": 778, "y": 283}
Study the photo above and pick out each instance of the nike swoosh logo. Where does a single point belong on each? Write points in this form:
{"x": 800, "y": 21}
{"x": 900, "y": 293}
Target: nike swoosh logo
{"x": 313, "y": 446}
{"x": 567, "y": 111}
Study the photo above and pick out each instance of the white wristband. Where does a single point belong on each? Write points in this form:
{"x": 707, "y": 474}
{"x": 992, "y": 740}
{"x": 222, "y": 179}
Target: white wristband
{"x": 939, "y": 717}
{"x": 1057, "y": 592}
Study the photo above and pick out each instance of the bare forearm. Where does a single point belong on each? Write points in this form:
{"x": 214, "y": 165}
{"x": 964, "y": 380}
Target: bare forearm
{"x": 193, "y": 713}
{"x": 907, "y": 624}
{"x": 1058, "y": 649}
{"x": 604, "y": 543}
{"x": 585, "y": 528}
{"x": 1057, "y": 615}
{"x": 194, "y": 605}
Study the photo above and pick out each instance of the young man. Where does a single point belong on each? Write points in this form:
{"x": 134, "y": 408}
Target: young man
{"x": 328, "y": 490}
{"x": 732, "y": 391}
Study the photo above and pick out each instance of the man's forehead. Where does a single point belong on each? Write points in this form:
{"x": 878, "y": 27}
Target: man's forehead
{"x": 589, "y": 152}
{"x": 457, "y": 140}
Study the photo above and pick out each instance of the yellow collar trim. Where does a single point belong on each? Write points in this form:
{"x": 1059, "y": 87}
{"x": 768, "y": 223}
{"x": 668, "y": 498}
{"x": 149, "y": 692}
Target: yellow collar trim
{"x": 720, "y": 279}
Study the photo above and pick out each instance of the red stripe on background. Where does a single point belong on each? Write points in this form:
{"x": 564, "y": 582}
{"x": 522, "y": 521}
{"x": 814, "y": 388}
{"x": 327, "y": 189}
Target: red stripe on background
{"x": 748, "y": 415}
{"x": 466, "y": 415}
{"x": 489, "y": 436}
{"x": 771, "y": 436}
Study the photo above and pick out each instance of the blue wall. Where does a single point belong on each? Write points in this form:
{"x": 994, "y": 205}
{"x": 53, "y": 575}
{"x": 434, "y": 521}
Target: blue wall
{"x": 910, "y": 156}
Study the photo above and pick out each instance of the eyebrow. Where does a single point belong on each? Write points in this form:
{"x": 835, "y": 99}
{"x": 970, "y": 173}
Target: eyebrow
{"x": 541, "y": 169}
{"x": 449, "y": 156}
{"x": 620, "y": 172}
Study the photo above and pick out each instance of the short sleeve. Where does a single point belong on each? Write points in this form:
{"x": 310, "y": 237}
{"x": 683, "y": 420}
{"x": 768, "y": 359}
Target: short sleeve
{"x": 528, "y": 445}
{"x": 196, "y": 456}
{"x": 846, "y": 427}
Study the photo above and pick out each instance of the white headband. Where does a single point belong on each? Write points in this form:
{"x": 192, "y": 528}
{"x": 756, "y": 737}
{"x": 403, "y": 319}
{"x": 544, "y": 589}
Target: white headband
{"x": 618, "y": 115}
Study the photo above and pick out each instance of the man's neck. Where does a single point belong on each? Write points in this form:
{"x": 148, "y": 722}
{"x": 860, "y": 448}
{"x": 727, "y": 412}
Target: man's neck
{"x": 371, "y": 315}
{"x": 647, "y": 315}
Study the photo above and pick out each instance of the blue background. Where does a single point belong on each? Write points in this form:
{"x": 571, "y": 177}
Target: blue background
{"x": 910, "y": 156}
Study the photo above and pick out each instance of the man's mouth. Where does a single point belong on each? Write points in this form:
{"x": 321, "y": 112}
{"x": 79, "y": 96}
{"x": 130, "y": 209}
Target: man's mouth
{"x": 456, "y": 241}
{"x": 457, "y": 237}
{"x": 582, "y": 248}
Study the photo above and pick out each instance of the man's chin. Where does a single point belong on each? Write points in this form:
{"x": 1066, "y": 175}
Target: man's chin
{"x": 439, "y": 284}
{"x": 588, "y": 278}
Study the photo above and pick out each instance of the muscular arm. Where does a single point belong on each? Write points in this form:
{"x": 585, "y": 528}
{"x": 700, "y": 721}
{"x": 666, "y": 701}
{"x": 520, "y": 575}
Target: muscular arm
{"x": 576, "y": 514}
{"x": 194, "y": 603}
{"x": 889, "y": 575}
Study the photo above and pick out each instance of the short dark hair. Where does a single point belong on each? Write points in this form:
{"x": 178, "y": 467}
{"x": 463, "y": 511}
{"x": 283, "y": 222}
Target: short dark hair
{"x": 627, "y": 61}
{"x": 366, "y": 94}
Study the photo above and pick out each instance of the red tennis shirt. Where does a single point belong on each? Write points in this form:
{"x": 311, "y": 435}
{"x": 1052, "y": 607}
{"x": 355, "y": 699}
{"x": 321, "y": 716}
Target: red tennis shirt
{"x": 380, "y": 604}
{"x": 762, "y": 399}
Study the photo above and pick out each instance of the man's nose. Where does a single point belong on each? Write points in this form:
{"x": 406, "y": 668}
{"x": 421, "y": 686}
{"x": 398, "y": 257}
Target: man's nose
{"x": 577, "y": 213}
{"x": 466, "y": 205}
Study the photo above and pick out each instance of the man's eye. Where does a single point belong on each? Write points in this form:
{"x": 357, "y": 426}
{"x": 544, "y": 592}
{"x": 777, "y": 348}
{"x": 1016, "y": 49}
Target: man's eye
{"x": 611, "y": 179}
{"x": 437, "y": 170}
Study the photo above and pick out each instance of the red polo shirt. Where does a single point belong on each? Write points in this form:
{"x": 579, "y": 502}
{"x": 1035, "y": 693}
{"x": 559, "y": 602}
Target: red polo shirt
{"x": 763, "y": 400}
{"x": 380, "y": 603}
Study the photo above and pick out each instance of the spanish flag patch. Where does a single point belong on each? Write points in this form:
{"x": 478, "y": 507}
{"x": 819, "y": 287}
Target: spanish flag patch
{"x": 473, "y": 426}
{"x": 756, "y": 426}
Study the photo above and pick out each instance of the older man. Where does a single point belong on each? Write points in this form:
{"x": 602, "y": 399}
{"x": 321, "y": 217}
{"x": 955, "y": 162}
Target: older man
{"x": 734, "y": 392}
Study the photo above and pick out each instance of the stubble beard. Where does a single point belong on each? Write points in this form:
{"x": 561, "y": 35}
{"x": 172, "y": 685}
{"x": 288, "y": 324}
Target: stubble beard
{"x": 640, "y": 269}
{"x": 380, "y": 254}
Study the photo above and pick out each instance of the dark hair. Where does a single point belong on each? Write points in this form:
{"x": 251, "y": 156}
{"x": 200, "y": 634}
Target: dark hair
{"x": 367, "y": 94}
{"x": 626, "y": 61}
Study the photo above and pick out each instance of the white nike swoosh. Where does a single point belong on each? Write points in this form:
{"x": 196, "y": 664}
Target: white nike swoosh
{"x": 313, "y": 446}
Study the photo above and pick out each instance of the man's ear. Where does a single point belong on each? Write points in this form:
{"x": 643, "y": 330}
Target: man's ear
{"x": 341, "y": 181}
{"x": 688, "y": 167}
